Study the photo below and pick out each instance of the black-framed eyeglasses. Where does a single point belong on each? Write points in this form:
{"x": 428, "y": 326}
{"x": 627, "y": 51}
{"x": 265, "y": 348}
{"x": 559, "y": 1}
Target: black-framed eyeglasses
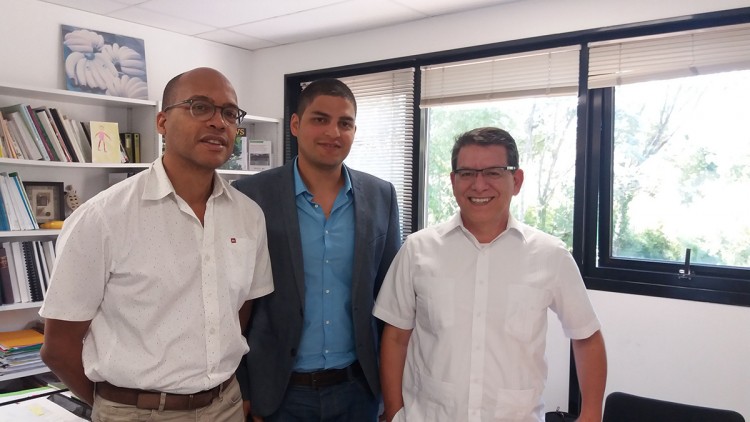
{"x": 488, "y": 173}
{"x": 204, "y": 110}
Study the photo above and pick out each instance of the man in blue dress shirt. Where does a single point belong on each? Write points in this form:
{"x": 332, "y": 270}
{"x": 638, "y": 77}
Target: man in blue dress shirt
{"x": 332, "y": 234}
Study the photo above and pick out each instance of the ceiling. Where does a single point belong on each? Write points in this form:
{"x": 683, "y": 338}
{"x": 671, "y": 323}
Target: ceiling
{"x": 256, "y": 24}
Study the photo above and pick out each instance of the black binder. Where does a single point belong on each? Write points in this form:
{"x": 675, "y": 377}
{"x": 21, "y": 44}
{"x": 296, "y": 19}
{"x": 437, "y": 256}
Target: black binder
{"x": 32, "y": 271}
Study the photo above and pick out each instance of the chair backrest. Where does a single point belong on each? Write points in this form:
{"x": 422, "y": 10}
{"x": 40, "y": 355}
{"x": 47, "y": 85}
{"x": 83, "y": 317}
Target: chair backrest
{"x": 623, "y": 407}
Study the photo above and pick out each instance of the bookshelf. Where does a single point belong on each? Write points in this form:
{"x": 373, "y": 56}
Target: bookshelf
{"x": 86, "y": 178}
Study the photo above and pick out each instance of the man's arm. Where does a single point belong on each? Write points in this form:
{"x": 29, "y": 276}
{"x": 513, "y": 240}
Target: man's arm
{"x": 591, "y": 367}
{"x": 62, "y": 352}
{"x": 393, "y": 348}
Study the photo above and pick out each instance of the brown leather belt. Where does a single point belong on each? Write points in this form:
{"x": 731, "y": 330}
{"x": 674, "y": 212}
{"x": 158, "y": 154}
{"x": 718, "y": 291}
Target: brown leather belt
{"x": 326, "y": 378}
{"x": 143, "y": 399}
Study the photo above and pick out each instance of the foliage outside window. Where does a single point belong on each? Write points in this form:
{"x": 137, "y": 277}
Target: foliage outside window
{"x": 681, "y": 170}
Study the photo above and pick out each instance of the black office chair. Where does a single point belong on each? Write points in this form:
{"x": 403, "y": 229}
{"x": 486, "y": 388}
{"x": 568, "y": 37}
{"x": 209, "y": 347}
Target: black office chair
{"x": 622, "y": 407}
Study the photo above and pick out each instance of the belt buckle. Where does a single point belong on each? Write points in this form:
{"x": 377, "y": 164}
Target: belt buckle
{"x": 313, "y": 381}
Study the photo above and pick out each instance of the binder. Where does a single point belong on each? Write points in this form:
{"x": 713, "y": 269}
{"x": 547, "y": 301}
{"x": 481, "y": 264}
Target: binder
{"x": 5, "y": 280}
{"x": 22, "y": 280}
{"x": 32, "y": 272}
{"x": 12, "y": 270}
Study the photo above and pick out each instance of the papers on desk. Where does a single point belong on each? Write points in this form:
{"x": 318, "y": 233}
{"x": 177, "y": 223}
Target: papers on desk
{"x": 36, "y": 409}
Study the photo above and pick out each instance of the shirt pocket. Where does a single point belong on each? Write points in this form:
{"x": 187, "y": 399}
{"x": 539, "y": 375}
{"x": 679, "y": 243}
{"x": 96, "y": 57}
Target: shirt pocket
{"x": 434, "y": 401}
{"x": 239, "y": 265}
{"x": 526, "y": 312}
{"x": 435, "y": 302}
{"x": 515, "y": 405}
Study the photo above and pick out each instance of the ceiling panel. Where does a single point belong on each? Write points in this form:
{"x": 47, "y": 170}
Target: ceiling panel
{"x": 326, "y": 21}
{"x": 170, "y": 23}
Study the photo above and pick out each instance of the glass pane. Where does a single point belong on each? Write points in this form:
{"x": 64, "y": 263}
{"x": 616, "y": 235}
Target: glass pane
{"x": 682, "y": 170}
{"x": 545, "y": 130}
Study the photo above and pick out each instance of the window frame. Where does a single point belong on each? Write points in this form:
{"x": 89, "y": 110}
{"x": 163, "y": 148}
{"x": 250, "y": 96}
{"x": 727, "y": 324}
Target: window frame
{"x": 714, "y": 285}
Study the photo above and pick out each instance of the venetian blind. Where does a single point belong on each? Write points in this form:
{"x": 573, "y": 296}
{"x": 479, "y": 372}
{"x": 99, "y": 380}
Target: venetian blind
{"x": 668, "y": 56}
{"x": 384, "y": 143}
{"x": 532, "y": 73}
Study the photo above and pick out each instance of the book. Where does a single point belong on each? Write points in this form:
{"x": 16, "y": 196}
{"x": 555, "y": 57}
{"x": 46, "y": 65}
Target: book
{"x": 20, "y": 338}
{"x": 77, "y": 136}
{"x": 33, "y": 276}
{"x": 5, "y": 280}
{"x": 8, "y": 141}
{"x": 27, "y": 127}
{"x": 8, "y": 201}
{"x": 53, "y": 134}
{"x": 20, "y": 131}
{"x": 12, "y": 270}
{"x": 28, "y": 220}
{"x": 238, "y": 159}
{"x": 259, "y": 154}
{"x": 19, "y": 263}
{"x": 105, "y": 142}
{"x": 137, "y": 147}
{"x": 4, "y": 223}
{"x": 126, "y": 139}
{"x": 38, "y": 132}
{"x": 41, "y": 266}
{"x": 76, "y": 154}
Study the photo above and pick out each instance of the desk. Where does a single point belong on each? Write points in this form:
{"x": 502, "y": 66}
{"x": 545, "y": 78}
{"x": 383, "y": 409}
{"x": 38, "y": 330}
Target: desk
{"x": 34, "y": 407}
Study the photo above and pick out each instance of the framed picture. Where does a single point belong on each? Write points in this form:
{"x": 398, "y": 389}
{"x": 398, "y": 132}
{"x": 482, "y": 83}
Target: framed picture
{"x": 99, "y": 62}
{"x": 46, "y": 200}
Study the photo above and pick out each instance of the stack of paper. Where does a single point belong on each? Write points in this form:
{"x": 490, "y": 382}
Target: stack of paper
{"x": 19, "y": 351}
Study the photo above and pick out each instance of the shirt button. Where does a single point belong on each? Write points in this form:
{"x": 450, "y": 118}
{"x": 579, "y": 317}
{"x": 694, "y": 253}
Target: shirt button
{"x": 328, "y": 322}
{"x": 326, "y": 231}
{"x": 328, "y": 291}
{"x": 326, "y": 351}
{"x": 326, "y": 261}
{"x": 316, "y": 205}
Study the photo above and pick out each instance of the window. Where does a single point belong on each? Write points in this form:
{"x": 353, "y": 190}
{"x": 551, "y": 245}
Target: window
{"x": 673, "y": 163}
{"x": 644, "y": 162}
{"x": 529, "y": 94}
{"x": 384, "y": 142}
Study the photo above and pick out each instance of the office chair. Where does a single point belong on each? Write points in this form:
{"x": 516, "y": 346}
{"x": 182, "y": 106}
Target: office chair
{"x": 622, "y": 407}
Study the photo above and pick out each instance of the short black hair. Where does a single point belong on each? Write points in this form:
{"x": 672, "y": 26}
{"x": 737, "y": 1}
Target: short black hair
{"x": 486, "y": 136}
{"x": 327, "y": 86}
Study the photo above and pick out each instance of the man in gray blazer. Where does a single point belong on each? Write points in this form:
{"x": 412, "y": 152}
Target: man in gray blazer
{"x": 332, "y": 234}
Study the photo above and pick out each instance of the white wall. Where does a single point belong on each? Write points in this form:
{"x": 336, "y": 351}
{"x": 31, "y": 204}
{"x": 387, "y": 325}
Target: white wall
{"x": 670, "y": 349}
{"x": 31, "y": 48}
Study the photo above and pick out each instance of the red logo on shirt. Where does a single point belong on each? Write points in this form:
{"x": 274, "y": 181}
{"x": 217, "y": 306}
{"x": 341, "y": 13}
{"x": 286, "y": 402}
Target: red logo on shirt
{"x": 233, "y": 240}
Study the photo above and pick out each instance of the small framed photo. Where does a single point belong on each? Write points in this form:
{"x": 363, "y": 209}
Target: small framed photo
{"x": 46, "y": 200}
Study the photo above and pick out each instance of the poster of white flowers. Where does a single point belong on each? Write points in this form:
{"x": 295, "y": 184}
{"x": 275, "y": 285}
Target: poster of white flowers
{"x": 102, "y": 63}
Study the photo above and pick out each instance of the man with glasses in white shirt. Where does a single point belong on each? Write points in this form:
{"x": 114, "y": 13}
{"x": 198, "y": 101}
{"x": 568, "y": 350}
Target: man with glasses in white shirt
{"x": 465, "y": 304}
{"x": 155, "y": 277}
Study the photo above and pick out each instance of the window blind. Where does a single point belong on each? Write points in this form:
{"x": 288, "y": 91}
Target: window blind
{"x": 384, "y": 143}
{"x": 668, "y": 56}
{"x": 533, "y": 73}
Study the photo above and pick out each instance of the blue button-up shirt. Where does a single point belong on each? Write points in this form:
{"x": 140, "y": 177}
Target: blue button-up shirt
{"x": 328, "y": 256}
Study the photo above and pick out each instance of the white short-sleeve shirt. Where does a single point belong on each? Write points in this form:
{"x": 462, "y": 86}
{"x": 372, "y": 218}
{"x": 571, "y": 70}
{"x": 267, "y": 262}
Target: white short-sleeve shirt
{"x": 479, "y": 318}
{"x": 161, "y": 290}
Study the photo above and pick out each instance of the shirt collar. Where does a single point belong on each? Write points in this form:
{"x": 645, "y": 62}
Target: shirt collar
{"x": 300, "y": 187}
{"x": 159, "y": 186}
{"x": 455, "y": 223}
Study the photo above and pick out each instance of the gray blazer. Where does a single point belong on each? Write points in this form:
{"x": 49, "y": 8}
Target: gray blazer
{"x": 275, "y": 329}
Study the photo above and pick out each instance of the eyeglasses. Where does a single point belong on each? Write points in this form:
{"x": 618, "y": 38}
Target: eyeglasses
{"x": 204, "y": 110}
{"x": 493, "y": 173}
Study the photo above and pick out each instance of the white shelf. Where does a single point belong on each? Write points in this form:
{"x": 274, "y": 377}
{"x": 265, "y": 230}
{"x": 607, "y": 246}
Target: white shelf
{"x": 17, "y": 306}
{"x": 15, "y": 235}
{"x": 46, "y": 94}
{"x": 21, "y": 374}
{"x": 64, "y": 164}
